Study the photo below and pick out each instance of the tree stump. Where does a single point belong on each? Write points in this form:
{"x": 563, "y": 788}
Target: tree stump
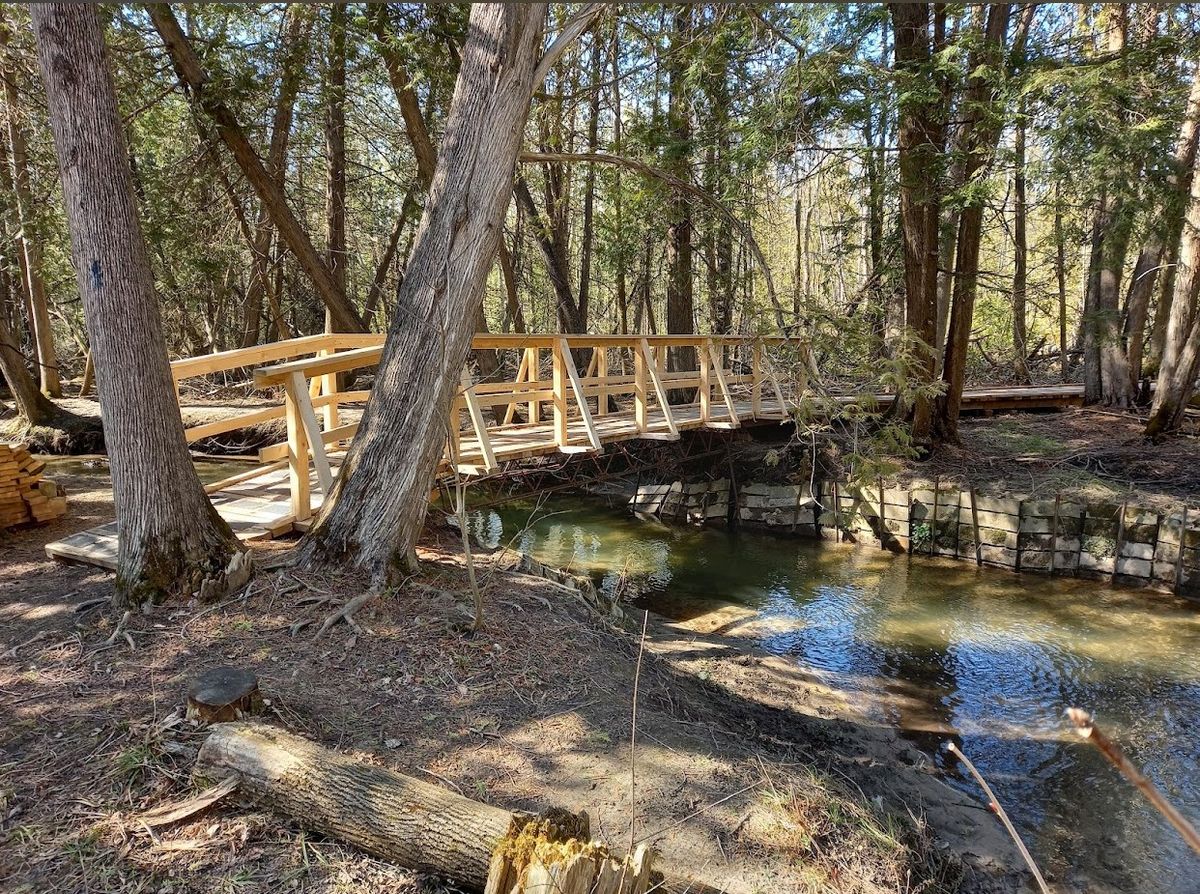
{"x": 222, "y": 694}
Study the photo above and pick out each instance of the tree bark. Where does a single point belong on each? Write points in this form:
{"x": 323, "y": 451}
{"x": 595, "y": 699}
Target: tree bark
{"x": 192, "y": 75}
{"x": 372, "y": 518}
{"x": 35, "y": 408}
{"x": 1180, "y": 363}
{"x": 921, "y": 137}
{"x": 171, "y": 539}
{"x": 681, "y": 311}
{"x": 1164, "y": 231}
{"x": 983, "y": 113}
{"x": 335, "y": 153}
{"x": 570, "y": 319}
{"x": 28, "y": 238}
{"x": 1020, "y": 254}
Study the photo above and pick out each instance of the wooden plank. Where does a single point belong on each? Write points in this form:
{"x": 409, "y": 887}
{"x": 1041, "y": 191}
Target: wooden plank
{"x": 239, "y": 357}
{"x": 476, "y": 416}
{"x": 639, "y": 388}
{"x": 533, "y": 374}
{"x": 233, "y": 423}
{"x": 705, "y": 390}
{"x": 663, "y": 402}
{"x": 568, "y": 363}
{"x": 600, "y": 355}
{"x": 511, "y": 411}
{"x": 756, "y": 384}
{"x": 559, "y": 388}
{"x": 714, "y": 356}
{"x": 319, "y": 366}
{"x": 248, "y": 475}
{"x": 312, "y": 430}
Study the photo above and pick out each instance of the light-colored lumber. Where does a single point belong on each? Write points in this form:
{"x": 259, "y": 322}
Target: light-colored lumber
{"x": 298, "y": 394}
{"x": 568, "y": 362}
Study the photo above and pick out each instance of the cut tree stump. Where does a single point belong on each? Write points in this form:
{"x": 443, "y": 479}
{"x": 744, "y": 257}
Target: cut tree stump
{"x": 422, "y": 826}
{"x": 222, "y": 694}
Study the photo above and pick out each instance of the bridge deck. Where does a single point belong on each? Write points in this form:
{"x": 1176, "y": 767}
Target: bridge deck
{"x": 288, "y": 489}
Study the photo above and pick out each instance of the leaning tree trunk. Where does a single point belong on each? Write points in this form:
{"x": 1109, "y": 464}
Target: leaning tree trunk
{"x": 171, "y": 540}
{"x": 35, "y": 408}
{"x": 1020, "y": 330}
{"x": 192, "y": 74}
{"x": 1178, "y": 367}
{"x": 374, "y": 514}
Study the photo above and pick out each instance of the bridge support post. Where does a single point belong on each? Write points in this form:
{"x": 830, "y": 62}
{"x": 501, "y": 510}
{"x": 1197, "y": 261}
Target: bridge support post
{"x": 297, "y": 457}
{"x": 639, "y": 386}
{"x": 756, "y": 379}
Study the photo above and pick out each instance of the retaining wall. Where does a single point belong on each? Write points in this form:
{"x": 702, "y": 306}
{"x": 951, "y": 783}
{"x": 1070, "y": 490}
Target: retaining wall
{"x": 1123, "y": 543}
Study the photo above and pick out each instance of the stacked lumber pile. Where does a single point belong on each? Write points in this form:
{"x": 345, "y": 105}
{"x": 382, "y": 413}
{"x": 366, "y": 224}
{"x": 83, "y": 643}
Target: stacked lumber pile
{"x": 25, "y": 496}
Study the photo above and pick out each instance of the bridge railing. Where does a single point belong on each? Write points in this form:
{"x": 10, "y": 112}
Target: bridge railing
{"x": 541, "y": 393}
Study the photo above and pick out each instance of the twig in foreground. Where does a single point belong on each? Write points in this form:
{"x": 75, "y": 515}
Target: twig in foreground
{"x": 995, "y": 805}
{"x": 1085, "y": 725}
{"x": 637, "y": 676}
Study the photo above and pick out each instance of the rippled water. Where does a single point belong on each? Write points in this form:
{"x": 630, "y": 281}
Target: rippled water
{"x": 944, "y": 650}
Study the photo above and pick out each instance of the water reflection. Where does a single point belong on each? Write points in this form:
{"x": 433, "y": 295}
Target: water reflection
{"x": 942, "y": 650}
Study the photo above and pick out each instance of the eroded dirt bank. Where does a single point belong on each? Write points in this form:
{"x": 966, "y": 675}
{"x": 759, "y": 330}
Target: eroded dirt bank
{"x": 745, "y": 778}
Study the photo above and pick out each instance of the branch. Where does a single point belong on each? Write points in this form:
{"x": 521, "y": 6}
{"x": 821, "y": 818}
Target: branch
{"x": 574, "y": 27}
{"x": 682, "y": 186}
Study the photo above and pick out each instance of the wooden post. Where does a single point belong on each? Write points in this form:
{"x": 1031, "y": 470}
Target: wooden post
{"x": 704, "y": 355}
{"x": 756, "y": 383}
{"x": 663, "y": 399}
{"x": 975, "y": 528}
{"x": 1179, "y": 551}
{"x": 715, "y": 357}
{"x": 1120, "y": 542}
{"x": 511, "y": 410}
{"x": 89, "y": 374}
{"x": 533, "y": 359}
{"x": 559, "y": 386}
{"x": 1054, "y": 532}
{"x": 572, "y": 374}
{"x": 329, "y": 388}
{"x": 639, "y": 386}
{"x": 297, "y": 455}
{"x": 601, "y": 358}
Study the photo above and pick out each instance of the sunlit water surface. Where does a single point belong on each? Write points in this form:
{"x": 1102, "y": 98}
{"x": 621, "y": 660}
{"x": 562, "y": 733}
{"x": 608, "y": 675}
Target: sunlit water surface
{"x": 943, "y": 650}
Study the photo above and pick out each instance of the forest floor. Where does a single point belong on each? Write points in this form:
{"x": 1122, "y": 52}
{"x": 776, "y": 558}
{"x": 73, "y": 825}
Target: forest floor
{"x": 1093, "y": 455}
{"x": 749, "y": 774}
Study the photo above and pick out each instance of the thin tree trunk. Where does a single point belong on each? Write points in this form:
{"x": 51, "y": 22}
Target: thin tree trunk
{"x": 1060, "y": 276}
{"x": 29, "y": 238}
{"x": 983, "y": 111}
{"x": 1164, "y": 230}
{"x": 298, "y": 26}
{"x": 570, "y": 319}
{"x": 35, "y": 408}
{"x": 622, "y": 294}
{"x": 680, "y": 302}
{"x": 192, "y": 75}
{"x": 513, "y": 315}
{"x": 1020, "y": 254}
{"x": 172, "y": 542}
{"x": 335, "y": 152}
{"x": 372, "y": 518}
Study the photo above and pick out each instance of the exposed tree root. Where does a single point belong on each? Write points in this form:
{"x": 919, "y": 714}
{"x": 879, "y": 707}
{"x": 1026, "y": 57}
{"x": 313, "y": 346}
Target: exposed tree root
{"x": 346, "y": 613}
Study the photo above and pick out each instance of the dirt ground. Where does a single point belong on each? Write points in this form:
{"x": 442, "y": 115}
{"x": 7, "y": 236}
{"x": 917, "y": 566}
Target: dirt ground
{"x": 1094, "y": 455}
{"x": 749, "y": 776}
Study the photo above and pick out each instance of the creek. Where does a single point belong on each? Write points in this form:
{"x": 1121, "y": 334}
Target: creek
{"x": 942, "y": 651}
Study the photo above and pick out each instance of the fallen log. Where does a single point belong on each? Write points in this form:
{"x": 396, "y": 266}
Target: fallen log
{"x": 420, "y": 825}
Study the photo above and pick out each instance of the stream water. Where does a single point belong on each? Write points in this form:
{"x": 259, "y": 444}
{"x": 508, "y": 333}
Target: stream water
{"x": 943, "y": 651}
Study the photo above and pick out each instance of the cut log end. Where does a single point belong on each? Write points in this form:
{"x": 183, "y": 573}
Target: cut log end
{"x": 552, "y": 853}
{"x": 222, "y": 694}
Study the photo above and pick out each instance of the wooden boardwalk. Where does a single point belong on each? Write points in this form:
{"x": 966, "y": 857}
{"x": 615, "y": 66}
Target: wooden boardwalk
{"x": 735, "y": 383}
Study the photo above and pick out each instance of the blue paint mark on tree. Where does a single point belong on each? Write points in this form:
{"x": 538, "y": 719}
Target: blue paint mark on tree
{"x": 97, "y": 276}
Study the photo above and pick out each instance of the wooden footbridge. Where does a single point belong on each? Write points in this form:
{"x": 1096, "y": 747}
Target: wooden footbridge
{"x": 538, "y": 402}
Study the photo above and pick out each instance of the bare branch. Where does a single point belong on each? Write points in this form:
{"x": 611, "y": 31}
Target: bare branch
{"x": 574, "y": 27}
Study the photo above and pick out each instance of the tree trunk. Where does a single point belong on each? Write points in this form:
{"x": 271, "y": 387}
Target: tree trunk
{"x": 1060, "y": 276}
{"x": 35, "y": 408}
{"x": 680, "y": 303}
{"x": 171, "y": 540}
{"x": 372, "y": 518}
{"x": 390, "y": 815}
{"x": 29, "y": 239}
{"x": 192, "y": 75}
{"x": 335, "y": 152}
{"x": 920, "y": 138}
{"x": 1180, "y": 363}
{"x": 1020, "y": 254}
{"x": 299, "y": 23}
{"x": 983, "y": 113}
{"x": 589, "y": 184}
{"x": 568, "y": 312}
{"x": 1164, "y": 231}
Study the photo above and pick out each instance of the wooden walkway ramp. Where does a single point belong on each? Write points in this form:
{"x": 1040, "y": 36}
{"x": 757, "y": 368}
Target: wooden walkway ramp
{"x": 537, "y": 403}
